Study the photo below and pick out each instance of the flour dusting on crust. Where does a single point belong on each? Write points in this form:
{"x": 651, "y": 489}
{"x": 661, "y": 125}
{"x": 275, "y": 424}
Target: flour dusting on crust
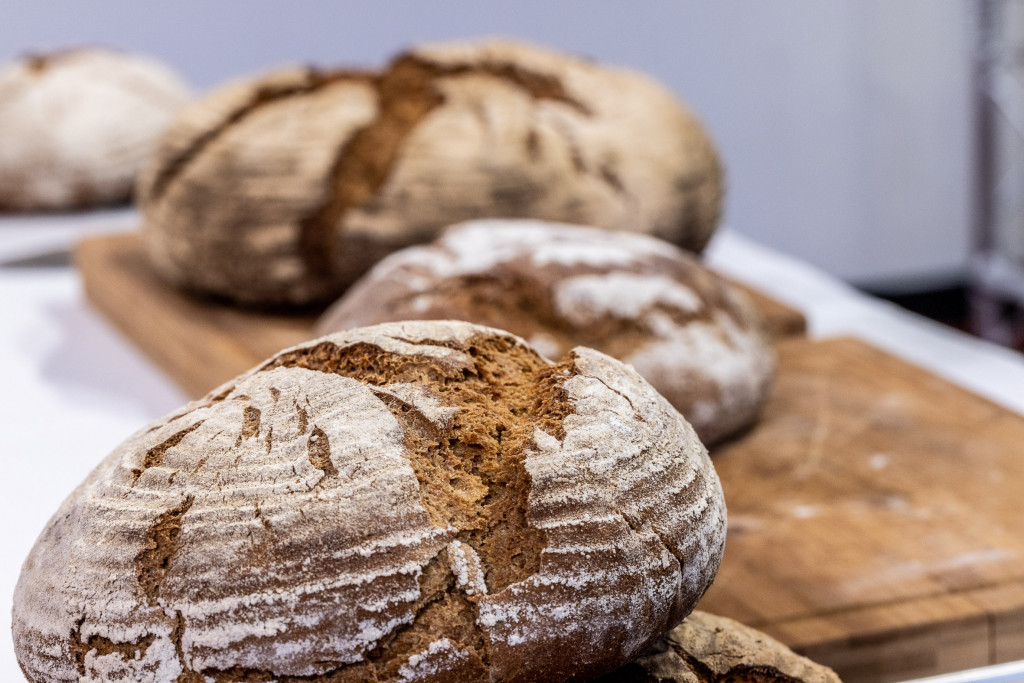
{"x": 280, "y": 528}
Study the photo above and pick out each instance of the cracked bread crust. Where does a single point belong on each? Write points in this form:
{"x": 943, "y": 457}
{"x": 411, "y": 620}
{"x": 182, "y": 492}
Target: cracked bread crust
{"x": 410, "y": 501}
{"x": 709, "y": 649}
{"x": 690, "y": 333}
{"x": 76, "y": 126}
{"x": 283, "y": 189}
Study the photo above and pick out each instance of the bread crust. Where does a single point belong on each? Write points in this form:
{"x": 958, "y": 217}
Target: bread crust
{"x": 708, "y": 649}
{"x": 414, "y": 501}
{"x": 691, "y": 334}
{"x": 287, "y": 199}
{"x": 76, "y": 126}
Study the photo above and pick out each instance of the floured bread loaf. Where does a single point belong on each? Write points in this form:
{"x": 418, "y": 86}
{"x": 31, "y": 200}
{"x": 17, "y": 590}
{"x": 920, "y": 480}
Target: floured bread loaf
{"x": 688, "y": 332}
{"x": 284, "y": 189}
{"x": 710, "y": 649}
{"x": 415, "y": 501}
{"x": 76, "y": 126}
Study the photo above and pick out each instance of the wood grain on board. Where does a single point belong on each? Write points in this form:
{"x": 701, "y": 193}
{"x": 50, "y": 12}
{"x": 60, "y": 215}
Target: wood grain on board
{"x": 876, "y": 513}
{"x": 201, "y": 344}
{"x": 876, "y": 518}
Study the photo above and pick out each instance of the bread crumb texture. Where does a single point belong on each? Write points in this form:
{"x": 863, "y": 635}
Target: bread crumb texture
{"x": 691, "y": 334}
{"x": 284, "y": 188}
{"x": 710, "y": 649}
{"x": 425, "y": 501}
{"x": 77, "y": 125}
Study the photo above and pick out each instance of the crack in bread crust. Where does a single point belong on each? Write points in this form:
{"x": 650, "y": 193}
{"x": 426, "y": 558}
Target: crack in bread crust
{"x": 164, "y": 538}
{"x": 155, "y": 455}
{"x": 408, "y": 92}
{"x": 471, "y": 473}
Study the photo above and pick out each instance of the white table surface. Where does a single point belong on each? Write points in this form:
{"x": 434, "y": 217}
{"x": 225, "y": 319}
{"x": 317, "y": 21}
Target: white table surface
{"x": 833, "y": 308}
{"x": 73, "y": 387}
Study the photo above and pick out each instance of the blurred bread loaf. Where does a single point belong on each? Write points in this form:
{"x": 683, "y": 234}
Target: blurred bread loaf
{"x": 283, "y": 189}
{"x": 690, "y": 333}
{"x": 710, "y": 649}
{"x": 77, "y": 125}
{"x": 413, "y": 501}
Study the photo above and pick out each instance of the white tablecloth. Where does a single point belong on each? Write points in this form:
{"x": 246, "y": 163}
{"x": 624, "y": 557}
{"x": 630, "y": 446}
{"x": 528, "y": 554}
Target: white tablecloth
{"x": 73, "y": 388}
{"x": 833, "y": 308}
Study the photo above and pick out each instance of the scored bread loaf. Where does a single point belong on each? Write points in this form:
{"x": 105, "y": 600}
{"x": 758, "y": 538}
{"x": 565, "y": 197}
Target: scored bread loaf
{"x": 415, "y": 501}
{"x": 690, "y": 333}
{"x": 283, "y": 189}
{"x": 709, "y": 649}
{"x": 76, "y": 126}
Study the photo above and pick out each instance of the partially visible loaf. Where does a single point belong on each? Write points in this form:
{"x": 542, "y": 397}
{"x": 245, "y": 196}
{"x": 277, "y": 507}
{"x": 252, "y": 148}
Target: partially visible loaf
{"x": 425, "y": 501}
{"x": 76, "y": 126}
{"x": 283, "y": 189}
{"x": 691, "y": 334}
{"x": 710, "y": 649}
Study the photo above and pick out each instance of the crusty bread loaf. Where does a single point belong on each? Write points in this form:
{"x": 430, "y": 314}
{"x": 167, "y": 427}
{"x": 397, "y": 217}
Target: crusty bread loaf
{"x": 710, "y": 649}
{"x": 415, "y": 501}
{"x": 686, "y": 330}
{"x": 76, "y": 126}
{"x": 284, "y": 189}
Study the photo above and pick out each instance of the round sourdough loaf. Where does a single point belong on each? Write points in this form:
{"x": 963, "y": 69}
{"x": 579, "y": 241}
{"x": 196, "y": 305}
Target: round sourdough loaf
{"x": 77, "y": 125}
{"x": 691, "y": 334}
{"x": 710, "y": 649}
{"x": 411, "y": 501}
{"x": 284, "y": 189}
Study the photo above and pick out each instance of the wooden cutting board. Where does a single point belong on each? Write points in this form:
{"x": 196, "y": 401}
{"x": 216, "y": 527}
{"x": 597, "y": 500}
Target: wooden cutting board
{"x": 201, "y": 344}
{"x": 876, "y": 518}
{"x": 876, "y": 514}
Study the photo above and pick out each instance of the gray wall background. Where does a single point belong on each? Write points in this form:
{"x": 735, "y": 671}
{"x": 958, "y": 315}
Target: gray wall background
{"x": 845, "y": 125}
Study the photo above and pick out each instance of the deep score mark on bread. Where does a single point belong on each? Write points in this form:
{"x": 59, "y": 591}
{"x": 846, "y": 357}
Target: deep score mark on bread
{"x": 414, "y": 501}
